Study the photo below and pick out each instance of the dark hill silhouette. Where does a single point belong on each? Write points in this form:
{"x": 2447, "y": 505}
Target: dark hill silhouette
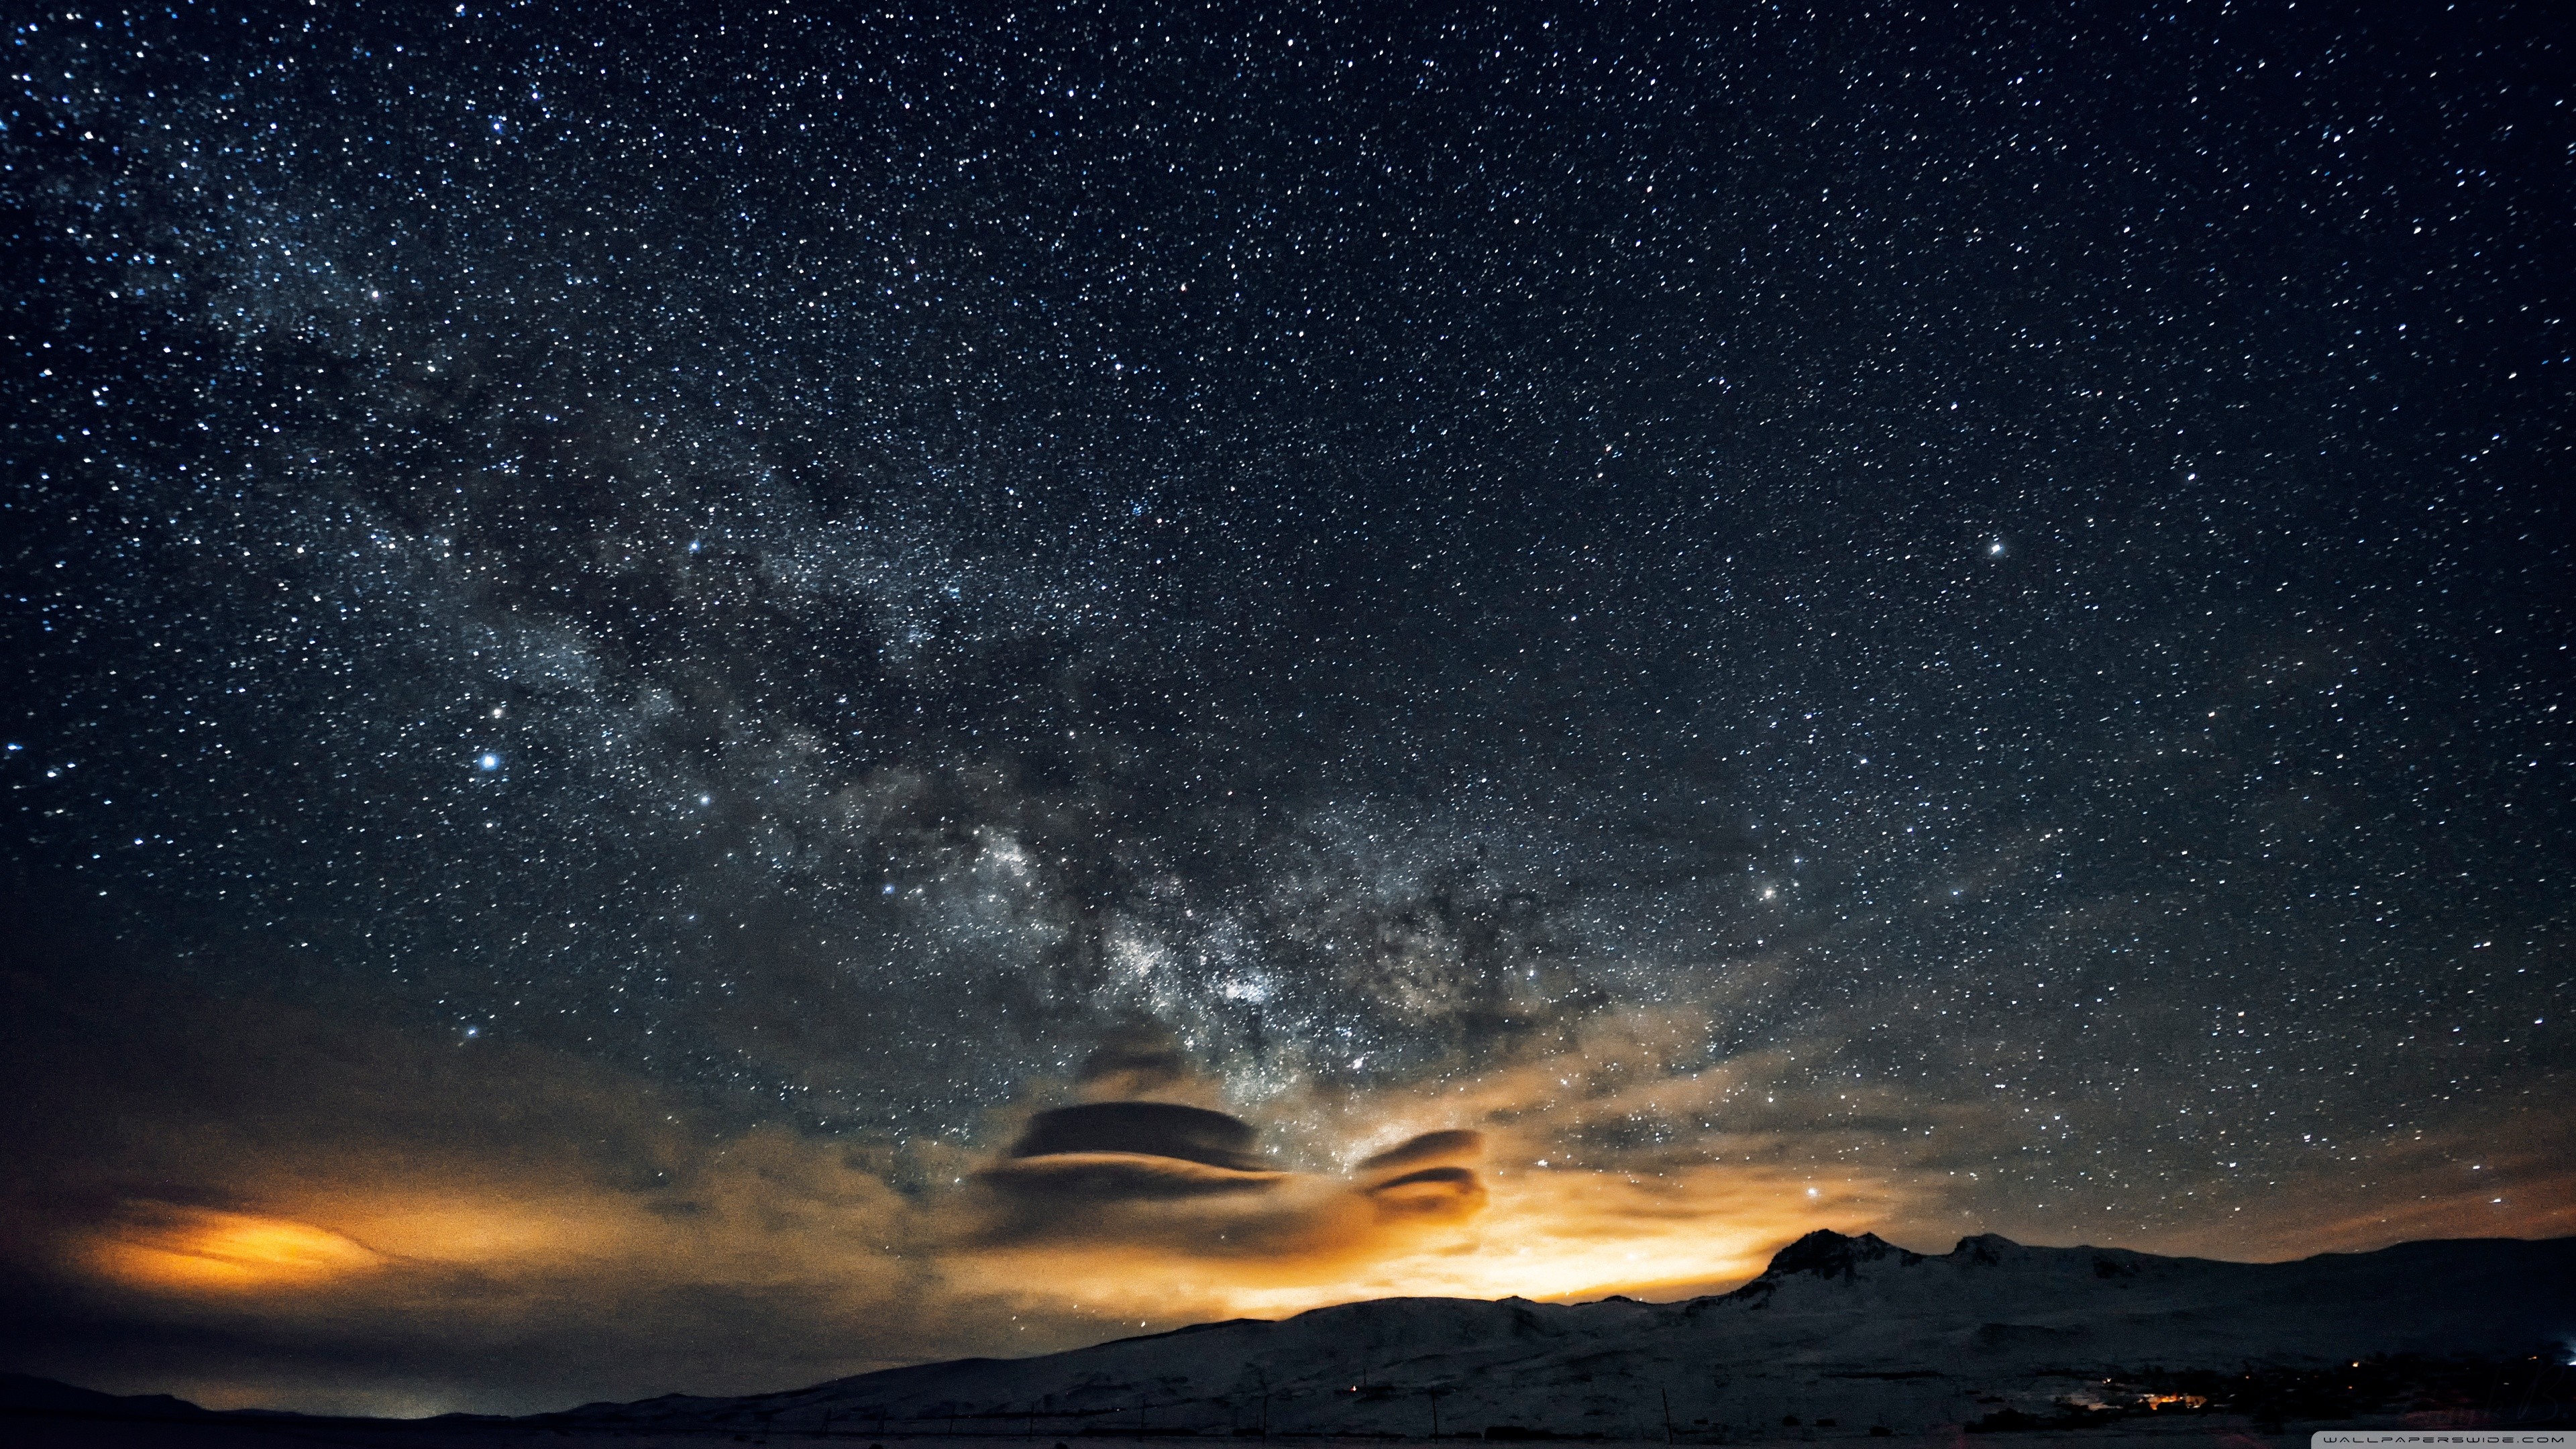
{"x": 1850, "y": 1329}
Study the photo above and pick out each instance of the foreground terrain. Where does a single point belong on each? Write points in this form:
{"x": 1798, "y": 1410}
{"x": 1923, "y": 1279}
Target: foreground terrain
{"x": 1840, "y": 1338}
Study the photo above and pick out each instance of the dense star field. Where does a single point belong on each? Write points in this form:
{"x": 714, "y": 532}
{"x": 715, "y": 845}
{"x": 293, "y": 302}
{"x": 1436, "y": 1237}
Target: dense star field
{"x": 634, "y": 633}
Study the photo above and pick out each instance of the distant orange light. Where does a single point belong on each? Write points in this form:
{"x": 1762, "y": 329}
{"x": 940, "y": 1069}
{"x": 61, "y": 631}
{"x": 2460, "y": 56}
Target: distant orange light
{"x": 163, "y": 1245}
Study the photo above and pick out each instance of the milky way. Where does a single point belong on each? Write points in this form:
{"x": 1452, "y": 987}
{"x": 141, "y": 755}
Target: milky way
{"x": 1976, "y": 605}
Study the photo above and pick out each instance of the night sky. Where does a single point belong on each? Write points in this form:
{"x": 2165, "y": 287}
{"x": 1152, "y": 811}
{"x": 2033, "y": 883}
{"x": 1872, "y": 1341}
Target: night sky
{"x": 635, "y": 637}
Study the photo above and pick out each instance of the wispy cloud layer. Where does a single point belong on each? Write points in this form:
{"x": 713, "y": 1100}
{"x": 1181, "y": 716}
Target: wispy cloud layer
{"x": 294, "y": 1209}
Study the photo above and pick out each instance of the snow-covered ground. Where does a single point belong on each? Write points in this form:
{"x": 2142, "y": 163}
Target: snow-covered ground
{"x": 1839, "y": 1338}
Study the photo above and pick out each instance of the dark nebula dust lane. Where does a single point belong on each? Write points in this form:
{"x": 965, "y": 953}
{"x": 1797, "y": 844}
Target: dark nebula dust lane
{"x": 696, "y": 699}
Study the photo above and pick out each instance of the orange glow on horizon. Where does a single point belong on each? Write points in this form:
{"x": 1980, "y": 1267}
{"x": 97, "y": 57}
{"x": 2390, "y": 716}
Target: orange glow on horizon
{"x": 1560, "y": 1235}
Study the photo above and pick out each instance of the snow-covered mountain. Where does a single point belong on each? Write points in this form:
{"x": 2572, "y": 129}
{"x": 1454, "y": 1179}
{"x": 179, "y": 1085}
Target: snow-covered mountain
{"x": 1848, "y": 1333}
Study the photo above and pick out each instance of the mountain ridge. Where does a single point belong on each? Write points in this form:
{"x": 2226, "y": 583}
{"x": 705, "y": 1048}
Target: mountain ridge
{"x": 1898, "y": 1338}
{"x": 1838, "y": 1329}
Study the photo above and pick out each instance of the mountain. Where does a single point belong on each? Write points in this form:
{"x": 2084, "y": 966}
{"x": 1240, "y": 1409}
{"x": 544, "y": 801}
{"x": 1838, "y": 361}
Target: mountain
{"x": 28, "y": 1394}
{"x": 1852, "y": 1334}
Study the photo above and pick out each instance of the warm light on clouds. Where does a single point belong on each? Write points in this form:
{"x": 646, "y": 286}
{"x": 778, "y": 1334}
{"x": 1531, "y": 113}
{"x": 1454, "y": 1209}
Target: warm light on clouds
{"x": 1458, "y": 1189}
{"x": 1534, "y": 1233}
{"x": 451, "y": 1200}
{"x": 1579, "y": 1234}
{"x": 168, "y": 1246}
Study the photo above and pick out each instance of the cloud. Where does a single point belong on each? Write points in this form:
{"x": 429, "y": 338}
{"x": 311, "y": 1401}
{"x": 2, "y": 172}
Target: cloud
{"x": 253, "y": 1203}
{"x": 298, "y": 1207}
{"x": 1448, "y": 1145}
{"x": 1154, "y": 1129}
{"x": 1182, "y": 1184}
{"x": 1136, "y": 1061}
{"x": 260, "y": 1201}
{"x": 1104, "y": 1153}
{"x": 1428, "y": 1184}
{"x": 1135, "y": 1137}
{"x": 175, "y": 1245}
